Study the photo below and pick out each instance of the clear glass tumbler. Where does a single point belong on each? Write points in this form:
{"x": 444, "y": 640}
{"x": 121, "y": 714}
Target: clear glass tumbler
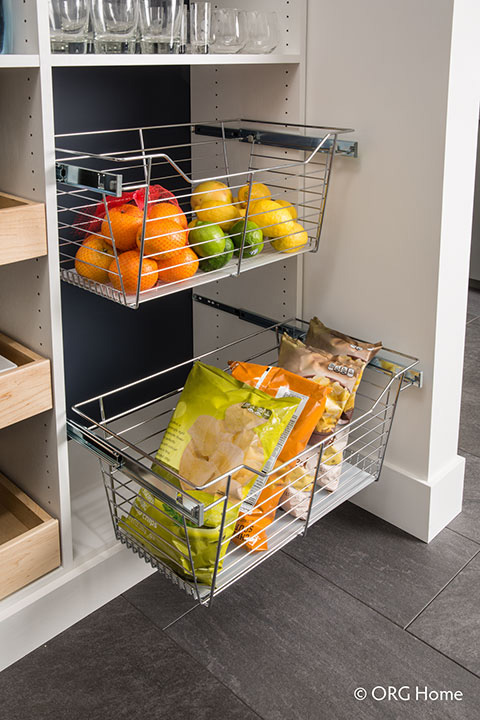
{"x": 184, "y": 31}
{"x": 160, "y": 25}
{"x": 227, "y": 35}
{"x": 260, "y": 30}
{"x": 115, "y": 25}
{"x": 200, "y": 27}
{"x": 68, "y": 25}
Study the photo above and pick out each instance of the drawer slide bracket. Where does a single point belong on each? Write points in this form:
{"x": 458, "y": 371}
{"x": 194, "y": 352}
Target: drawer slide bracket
{"x": 94, "y": 444}
{"x": 105, "y": 183}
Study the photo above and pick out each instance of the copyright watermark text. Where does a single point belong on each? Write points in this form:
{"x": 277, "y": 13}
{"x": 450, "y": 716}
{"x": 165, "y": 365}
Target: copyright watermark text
{"x": 405, "y": 693}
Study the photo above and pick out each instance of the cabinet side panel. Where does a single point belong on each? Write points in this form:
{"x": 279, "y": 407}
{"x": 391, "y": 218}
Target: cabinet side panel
{"x": 273, "y": 93}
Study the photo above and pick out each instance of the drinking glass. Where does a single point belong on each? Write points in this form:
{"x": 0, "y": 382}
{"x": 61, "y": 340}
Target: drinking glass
{"x": 184, "y": 30}
{"x": 260, "y": 30}
{"x": 227, "y": 37}
{"x": 200, "y": 26}
{"x": 68, "y": 25}
{"x": 160, "y": 25}
{"x": 115, "y": 25}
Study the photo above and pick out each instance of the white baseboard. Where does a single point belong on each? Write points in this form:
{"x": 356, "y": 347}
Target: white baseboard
{"x": 421, "y": 509}
{"x": 66, "y": 600}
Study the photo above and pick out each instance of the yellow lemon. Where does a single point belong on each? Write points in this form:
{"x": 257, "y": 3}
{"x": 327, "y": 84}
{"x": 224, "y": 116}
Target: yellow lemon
{"x": 223, "y": 214}
{"x": 297, "y": 238}
{"x": 259, "y": 192}
{"x": 210, "y": 191}
{"x": 274, "y": 219}
{"x": 289, "y": 206}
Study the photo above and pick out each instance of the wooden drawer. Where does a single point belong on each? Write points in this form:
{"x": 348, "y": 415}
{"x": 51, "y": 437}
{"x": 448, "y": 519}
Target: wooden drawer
{"x": 22, "y": 229}
{"x": 25, "y": 390}
{"x": 29, "y": 539}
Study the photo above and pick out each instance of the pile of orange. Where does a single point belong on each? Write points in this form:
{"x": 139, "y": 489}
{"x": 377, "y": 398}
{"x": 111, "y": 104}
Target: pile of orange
{"x": 166, "y": 255}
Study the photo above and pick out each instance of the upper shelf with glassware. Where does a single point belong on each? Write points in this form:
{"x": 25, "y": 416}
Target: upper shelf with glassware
{"x": 99, "y": 32}
{"x": 163, "y": 32}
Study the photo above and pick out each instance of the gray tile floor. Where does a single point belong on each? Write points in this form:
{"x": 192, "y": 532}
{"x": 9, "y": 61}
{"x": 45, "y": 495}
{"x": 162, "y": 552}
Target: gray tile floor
{"x": 375, "y": 608}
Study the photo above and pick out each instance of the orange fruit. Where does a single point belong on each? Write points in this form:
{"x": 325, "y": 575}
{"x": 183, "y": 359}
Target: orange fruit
{"x": 129, "y": 269}
{"x": 184, "y": 265}
{"x": 93, "y": 259}
{"x": 166, "y": 209}
{"x": 125, "y": 220}
{"x": 163, "y": 237}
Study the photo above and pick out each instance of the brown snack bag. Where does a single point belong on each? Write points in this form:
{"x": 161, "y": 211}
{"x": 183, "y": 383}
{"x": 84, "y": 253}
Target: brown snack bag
{"x": 341, "y": 373}
{"x": 334, "y": 342}
{"x": 321, "y": 337}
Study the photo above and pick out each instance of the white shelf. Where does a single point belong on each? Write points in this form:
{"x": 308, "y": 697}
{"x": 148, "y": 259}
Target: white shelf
{"x": 19, "y": 61}
{"x": 95, "y": 60}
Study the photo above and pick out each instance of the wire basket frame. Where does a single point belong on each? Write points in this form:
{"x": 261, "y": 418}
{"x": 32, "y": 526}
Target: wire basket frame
{"x": 163, "y": 523}
{"x": 152, "y": 167}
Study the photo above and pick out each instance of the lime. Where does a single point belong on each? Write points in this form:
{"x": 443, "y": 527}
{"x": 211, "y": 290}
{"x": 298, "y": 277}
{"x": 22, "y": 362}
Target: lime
{"x": 207, "y": 240}
{"x": 253, "y": 238}
{"x": 215, "y": 263}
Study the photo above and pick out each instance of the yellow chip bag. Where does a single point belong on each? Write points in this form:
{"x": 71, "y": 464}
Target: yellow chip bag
{"x": 219, "y": 426}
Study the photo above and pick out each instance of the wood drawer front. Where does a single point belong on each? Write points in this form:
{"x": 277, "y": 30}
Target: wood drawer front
{"x": 22, "y": 229}
{"x": 25, "y": 390}
{"x": 29, "y": 539}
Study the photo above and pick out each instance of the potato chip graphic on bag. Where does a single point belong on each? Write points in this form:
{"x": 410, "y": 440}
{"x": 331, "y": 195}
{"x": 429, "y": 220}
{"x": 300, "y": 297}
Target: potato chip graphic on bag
{"x": 221, "y": 424}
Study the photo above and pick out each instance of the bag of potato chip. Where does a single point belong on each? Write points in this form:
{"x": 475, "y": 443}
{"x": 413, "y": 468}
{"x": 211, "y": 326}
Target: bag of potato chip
{"x": 298, "y": 491}
{"x": 219, "y": 425}
{"x": 334, "y": 342}
{"x": 321, "y": 337}
{"x": 250, "y": 530}
{"x": 161, "y": 531}
{"x": 277, "y": 382}
{"x": 340, "y": 373}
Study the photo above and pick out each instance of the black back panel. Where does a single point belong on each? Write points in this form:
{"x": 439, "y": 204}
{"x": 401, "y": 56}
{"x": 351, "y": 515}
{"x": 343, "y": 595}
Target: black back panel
{"x": 107, "y": 345}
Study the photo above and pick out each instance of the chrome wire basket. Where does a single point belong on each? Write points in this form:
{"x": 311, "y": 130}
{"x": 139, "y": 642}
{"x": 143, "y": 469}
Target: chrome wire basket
{"x": 162, "y": 522}
{"x": 247, "y": 165}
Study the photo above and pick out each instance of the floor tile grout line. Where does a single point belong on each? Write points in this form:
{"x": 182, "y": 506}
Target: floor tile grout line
{"x": 219, "y": 680}
{"x": 159, "y": 627}
{"x": 443, "y": 654}
{"x": 181, "y": 616}
{"x": 472, "y": 319}
{"x": 457, "y": 532}
{"x": 183, "y": 649}
{"x": 339, "y": 587}
{"x": 440, "y": 591}
{"x": 400, "y": 627}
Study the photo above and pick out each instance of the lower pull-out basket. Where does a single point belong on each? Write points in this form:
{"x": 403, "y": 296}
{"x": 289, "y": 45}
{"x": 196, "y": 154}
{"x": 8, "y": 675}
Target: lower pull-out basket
{"x": 193, "y": 537}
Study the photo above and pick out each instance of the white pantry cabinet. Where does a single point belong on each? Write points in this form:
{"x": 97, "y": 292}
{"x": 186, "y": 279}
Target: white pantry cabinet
{"x": 392, "y": 265}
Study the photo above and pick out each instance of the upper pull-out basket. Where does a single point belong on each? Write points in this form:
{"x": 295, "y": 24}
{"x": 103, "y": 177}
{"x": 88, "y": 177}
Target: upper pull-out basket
{"x": 157, "y": 172}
